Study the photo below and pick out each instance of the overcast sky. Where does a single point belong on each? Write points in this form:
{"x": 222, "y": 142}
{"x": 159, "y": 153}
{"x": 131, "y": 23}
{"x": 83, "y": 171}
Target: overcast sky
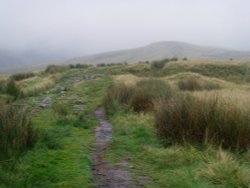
{"x": 85, "y": 27}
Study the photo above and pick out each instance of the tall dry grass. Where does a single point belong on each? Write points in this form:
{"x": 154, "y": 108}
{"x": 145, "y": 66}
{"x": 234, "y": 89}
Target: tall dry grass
{"x": 147, "y": 91}
{"x": 22, "y": 76}
{"x": 16, "y": 132}
{"x": 11, "y": 88}
{"x": 195, "y": 84}
{"x": 42, "y": 86}
{"x": 139, "y": 97}
{"x": 186, "y": 119}
{"x": 117, "y": 94}
{"x": 225, "y": 170}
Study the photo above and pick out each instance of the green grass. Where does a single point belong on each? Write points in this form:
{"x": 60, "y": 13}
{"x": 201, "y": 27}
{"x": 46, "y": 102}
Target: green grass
{"x": 63, "y": 160}
{"x": 62, "y": 155}
{"x": 33, "y": 81}
{"x": 237, "y": 73}
{"x": 68, "y": 164}
{"x": 175, "y": 166}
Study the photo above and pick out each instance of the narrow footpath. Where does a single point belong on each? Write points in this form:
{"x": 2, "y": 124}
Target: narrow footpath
{"x": 105, "y": 174}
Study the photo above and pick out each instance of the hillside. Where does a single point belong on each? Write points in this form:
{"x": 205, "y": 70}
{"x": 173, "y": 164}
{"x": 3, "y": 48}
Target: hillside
{"x": 161, "y": 50}
{"x": 12, "y": 62}
{"x": 127, "y": 125}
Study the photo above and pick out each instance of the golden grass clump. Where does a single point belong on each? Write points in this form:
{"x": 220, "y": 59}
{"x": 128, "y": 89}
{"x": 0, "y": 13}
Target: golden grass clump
{"x": 186, "y": 119}
{"x": 195, "y": 84}
{"x": 41, "y": 86}
{"x": 139, "y": 97}
{"x": 127, "y": 79}
{"x": 118, "y": 93}
{"x": 225, "y": 170}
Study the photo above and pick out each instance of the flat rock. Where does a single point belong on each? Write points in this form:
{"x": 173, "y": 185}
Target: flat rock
{"x": 45, "y": 102}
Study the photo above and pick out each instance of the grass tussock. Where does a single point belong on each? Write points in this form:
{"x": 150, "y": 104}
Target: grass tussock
{"x": 13, "y": 89}
{"x": 223, "y": 169}
{"x": 119, "y": 93}
{"x": 195, "y": 84}
{"x": 139, "y": 97}
{"x": 159, "y": 64}
{"x": 174, "y": 166}
{"x": 60, "y": 109}
{"x": 78, "y": 66}
{"x": 52, "y": 138}
{"x": 186, "y": 119}
{"x": 127, "y": 79}
{"x": 41, "y": 86}
{"x": 16, "y": 132}
{"x": 52, "y": 69}
{"x": 22, "y": 76}
{"x": 147, "y": 91}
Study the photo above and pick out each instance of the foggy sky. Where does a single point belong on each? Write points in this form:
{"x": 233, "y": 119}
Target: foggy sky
{"x": 81, "y": 27}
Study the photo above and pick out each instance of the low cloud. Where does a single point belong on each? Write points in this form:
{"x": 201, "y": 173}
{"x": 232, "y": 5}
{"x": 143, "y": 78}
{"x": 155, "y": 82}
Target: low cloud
{"x": 81, "y": 27}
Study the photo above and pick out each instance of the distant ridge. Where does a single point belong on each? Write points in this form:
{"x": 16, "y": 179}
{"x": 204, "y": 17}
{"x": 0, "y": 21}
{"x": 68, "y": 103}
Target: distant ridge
{"x": 161, "y": 50}
{"x": 12, "y": 62}
{"x": 21, "y": 62}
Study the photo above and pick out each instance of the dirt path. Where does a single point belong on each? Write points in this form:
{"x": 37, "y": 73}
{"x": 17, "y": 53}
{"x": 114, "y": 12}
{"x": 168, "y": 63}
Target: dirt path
{"x": 106, "y": 175}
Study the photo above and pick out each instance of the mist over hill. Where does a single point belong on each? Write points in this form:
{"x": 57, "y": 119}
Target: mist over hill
{"x": 161, "y": 50}
{"x": 11, "y": 62}
{"x": 23, "y": 61}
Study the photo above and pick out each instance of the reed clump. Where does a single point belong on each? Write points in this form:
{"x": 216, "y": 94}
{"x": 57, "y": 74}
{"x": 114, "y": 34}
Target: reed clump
{"x": 186, "y": 119}
{"x": 17, "y": 134}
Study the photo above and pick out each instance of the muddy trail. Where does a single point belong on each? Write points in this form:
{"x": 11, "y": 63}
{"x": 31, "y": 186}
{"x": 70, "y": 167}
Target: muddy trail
{"x": 104, "y": 173}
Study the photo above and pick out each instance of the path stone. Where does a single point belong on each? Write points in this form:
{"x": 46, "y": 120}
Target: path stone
{"x": 45, "y": 102}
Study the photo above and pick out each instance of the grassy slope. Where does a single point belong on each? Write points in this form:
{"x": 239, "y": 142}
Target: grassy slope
{"x": 236, "y": 72}
{"x": 63, "y": 157}
{"x": 69, "y": 164}
{"x": 181, "y": 166}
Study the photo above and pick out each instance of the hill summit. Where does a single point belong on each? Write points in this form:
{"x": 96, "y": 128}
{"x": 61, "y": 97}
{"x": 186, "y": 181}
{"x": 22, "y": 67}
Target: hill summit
{"x": 161, "y": 50}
